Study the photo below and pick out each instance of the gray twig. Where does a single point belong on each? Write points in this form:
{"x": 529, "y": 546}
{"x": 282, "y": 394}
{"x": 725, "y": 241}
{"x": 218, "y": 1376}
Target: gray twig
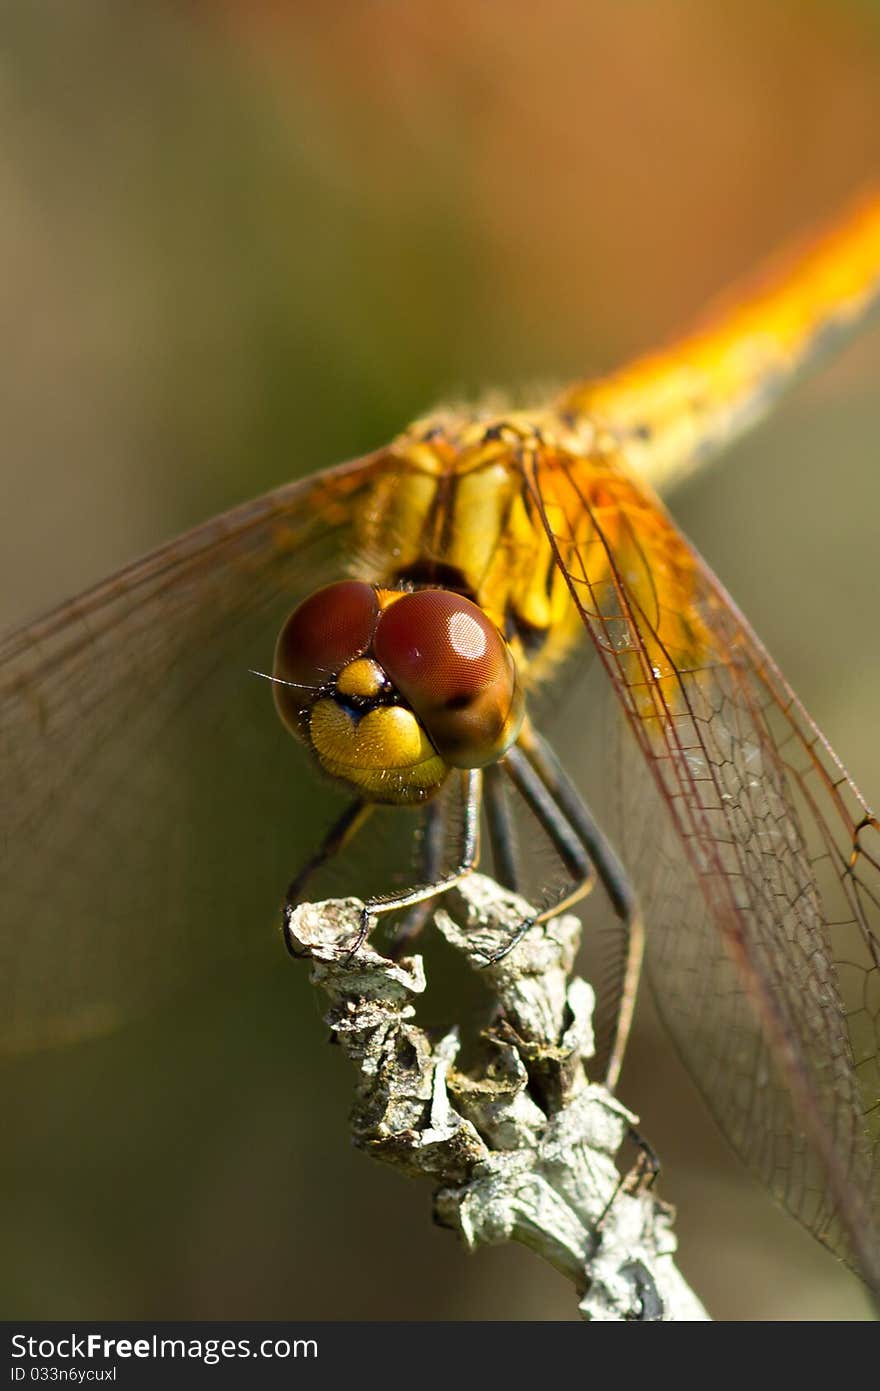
{"x": 522, "y": 1147}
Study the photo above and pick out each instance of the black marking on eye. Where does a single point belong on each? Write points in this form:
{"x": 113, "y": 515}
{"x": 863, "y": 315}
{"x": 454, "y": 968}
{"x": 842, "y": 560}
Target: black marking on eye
{"x": 458, "y": 702}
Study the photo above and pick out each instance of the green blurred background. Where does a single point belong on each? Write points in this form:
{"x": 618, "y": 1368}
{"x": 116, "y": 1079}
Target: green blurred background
{"x": 244, "y": 241}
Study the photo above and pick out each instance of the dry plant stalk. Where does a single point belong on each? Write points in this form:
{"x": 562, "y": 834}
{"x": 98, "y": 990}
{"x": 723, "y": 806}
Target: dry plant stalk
{"x": 522, "y": 1147}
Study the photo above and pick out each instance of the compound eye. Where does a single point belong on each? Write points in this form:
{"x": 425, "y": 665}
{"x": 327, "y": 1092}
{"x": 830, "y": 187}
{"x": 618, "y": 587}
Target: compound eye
{"x": 453, "y": 667}
{"x": 326, "y": 632}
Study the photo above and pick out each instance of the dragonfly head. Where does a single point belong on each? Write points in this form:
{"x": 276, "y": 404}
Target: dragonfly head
{"x": 393, "y": 688}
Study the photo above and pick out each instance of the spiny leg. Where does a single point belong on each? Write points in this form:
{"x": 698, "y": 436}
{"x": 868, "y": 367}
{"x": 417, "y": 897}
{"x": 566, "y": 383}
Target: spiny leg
{"x": 433, "y": 845}
{"x": 612, "y": 875}
{"x": 472, "y": 783}
{"x": 553, "y": 822}
{"x": 641, "y": 1177}
{"x": 502, "y": 833}
{"x": 341, "y": 832}
{"x": 502, "y": 838}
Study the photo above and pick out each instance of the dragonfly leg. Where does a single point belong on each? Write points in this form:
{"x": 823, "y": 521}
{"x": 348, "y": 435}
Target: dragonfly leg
{"x": 648, "y": 1165}
{"x": 569, "y": 818}
{"x": 432, "y": 860}
{"x": 472, "y": 781}
{"x": 339, "y": 835}
{"x": 641, "y": 1177}
{"x": 502, "y": 834}
{"x": 569, "y": 848}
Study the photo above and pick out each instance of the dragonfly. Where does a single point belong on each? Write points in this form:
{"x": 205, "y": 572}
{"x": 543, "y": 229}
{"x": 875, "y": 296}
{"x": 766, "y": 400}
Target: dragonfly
{"x": 410, "y": 607}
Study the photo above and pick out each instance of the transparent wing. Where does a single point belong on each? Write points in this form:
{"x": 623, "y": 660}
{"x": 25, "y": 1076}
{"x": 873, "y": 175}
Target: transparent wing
{"x": 149, "y": 791}
{"x": 756, "y": 860}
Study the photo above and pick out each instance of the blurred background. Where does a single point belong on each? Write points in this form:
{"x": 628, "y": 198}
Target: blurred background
{"x": 243, "y": 241}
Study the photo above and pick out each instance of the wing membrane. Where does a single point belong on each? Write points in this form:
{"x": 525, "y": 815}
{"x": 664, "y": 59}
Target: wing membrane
{"x": 148, "y": 785}
{"x": 755, "y": 857}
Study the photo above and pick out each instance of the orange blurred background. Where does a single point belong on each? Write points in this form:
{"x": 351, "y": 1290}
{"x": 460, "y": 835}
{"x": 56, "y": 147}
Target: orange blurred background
{"x": 245, "y": 241}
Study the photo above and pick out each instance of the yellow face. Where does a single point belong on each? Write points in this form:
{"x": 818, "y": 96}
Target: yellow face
{"x": 393, "y": 688}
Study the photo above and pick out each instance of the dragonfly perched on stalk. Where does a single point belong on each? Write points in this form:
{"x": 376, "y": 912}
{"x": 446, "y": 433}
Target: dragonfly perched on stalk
{"x": 423, "y": 594}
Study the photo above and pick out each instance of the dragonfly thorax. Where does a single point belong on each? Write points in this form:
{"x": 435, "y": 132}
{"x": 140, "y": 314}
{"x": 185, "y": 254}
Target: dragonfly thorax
{"x": 391, "y": 689}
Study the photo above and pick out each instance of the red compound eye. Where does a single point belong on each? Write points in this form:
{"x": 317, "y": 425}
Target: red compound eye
{"x": 329, "y": 629}
{"x": 451, "y": 664}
